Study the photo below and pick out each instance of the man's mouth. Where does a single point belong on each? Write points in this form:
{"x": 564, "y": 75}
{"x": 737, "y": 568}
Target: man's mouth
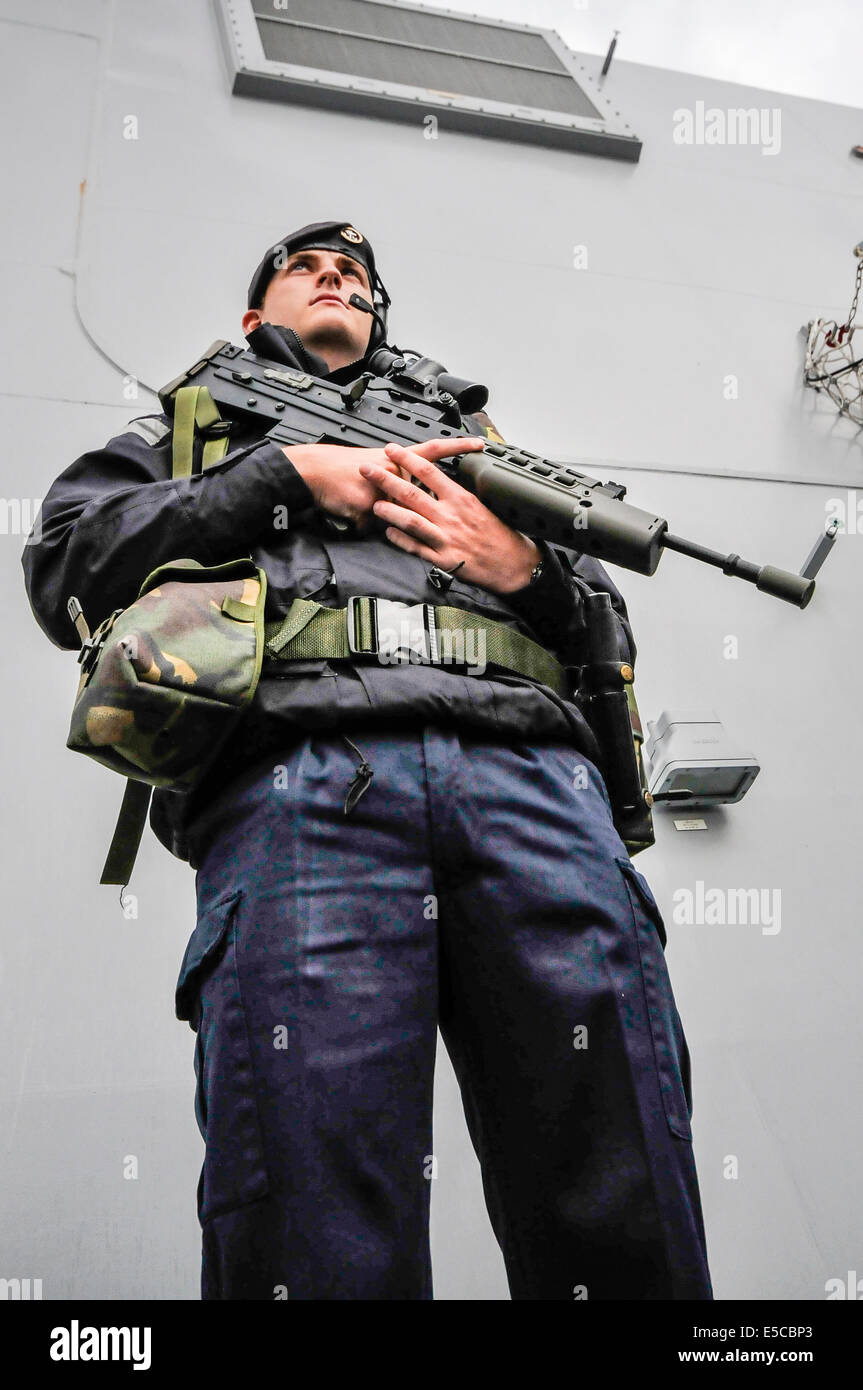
{"x": 329, "y": 299}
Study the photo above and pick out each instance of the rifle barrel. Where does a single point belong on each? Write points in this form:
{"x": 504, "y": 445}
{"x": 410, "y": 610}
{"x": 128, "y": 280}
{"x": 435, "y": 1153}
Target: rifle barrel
{"x": 794, "y": 588}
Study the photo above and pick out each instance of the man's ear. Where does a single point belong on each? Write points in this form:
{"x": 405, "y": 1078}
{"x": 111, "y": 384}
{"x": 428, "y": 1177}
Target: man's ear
{"x": 251, "y": 320}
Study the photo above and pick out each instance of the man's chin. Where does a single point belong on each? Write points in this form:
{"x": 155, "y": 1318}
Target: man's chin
{"x": 323, "y": 340}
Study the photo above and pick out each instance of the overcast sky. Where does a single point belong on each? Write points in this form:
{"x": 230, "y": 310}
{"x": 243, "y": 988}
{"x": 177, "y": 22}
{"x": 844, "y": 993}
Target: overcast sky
{"x": 811, "y": 49}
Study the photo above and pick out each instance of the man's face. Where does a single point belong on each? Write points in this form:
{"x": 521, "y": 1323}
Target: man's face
{"x": 310, "y": 294}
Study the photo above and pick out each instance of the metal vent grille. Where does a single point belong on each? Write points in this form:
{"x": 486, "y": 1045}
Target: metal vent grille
{"x": 426, "y": 28}
{"x": 404, "y": 61}
{"x": 418, "y": 67}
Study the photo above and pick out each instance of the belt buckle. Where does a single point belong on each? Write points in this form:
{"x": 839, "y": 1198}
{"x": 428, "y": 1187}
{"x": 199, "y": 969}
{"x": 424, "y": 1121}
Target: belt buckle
{"x": 91, "y": 648}
{"x": 399, "y": 631}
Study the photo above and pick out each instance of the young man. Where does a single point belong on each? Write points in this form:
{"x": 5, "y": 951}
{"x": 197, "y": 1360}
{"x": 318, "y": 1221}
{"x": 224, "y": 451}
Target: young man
{"x": 468, "y": 877}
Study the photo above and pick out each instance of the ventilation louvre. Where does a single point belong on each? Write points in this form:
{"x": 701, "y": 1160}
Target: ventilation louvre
{"x": 406, "y": 62}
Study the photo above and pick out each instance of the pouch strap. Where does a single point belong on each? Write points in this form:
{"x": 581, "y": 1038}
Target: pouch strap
{"x": 429, "y": 634}
{"x": 194, "y": 410}
{"x": 127, "y": 833}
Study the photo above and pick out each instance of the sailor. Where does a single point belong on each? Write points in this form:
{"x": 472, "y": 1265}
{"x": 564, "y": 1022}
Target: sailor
{"x": 389, "y": 848}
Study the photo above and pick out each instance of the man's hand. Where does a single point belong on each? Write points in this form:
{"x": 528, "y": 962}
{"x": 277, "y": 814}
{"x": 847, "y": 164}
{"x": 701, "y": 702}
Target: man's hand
{"x": 334, "y": 473}
{"x": 450, "y": 526}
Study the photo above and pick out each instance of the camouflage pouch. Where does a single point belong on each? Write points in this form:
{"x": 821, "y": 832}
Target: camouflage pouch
{"x": 165, "y": 681}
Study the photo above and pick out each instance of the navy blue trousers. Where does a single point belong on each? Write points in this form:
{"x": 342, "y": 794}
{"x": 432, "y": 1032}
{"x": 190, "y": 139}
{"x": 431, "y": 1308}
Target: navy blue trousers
{"x": 479, "y": 888}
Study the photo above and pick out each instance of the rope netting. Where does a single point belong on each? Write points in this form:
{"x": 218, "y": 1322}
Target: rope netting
{"x": 831, "y": 364}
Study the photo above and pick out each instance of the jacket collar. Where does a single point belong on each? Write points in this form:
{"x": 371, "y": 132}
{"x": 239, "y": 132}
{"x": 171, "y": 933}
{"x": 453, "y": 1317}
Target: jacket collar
{"x": 279, "y": 344}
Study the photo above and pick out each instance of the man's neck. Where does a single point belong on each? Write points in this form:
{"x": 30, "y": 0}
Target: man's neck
{"x": 335, "y": 354}
{"x": 336, "y": 360}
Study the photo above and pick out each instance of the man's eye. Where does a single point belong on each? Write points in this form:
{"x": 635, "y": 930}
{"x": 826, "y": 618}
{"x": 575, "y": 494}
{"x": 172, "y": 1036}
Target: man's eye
{"x": 346, "y": 270}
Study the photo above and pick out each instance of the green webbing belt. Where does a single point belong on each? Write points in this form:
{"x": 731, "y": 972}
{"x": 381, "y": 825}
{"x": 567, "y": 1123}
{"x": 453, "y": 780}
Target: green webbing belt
{"x": 311, "y": 631}
{"x": 194, "y": 409}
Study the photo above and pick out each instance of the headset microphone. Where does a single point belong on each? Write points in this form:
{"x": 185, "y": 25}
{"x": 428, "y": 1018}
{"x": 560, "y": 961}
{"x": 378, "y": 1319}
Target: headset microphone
{"x": 363, "y": 304}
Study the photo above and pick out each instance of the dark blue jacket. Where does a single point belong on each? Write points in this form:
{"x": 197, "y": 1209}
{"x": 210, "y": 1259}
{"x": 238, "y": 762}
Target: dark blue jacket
{"x": 115, "y": 514}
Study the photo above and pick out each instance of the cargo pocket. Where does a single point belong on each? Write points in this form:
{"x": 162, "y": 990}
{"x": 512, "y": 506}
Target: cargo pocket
{"x": 669, "y": 1044}
{"x": 202, "y": 952}
{"x": 209, "y": 997}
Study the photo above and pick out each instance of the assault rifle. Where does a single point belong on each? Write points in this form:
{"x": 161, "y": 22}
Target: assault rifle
{"x": 406, "y": 402}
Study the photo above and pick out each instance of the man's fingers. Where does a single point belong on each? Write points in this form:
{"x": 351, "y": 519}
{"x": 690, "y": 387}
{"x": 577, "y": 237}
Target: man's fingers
{"x": 409, "y": 522}
{"x": 402, "y": 465}
{"x": 442, "y": 448}
{"x": 399, "y": 490}
{"x": 426, "y": 470}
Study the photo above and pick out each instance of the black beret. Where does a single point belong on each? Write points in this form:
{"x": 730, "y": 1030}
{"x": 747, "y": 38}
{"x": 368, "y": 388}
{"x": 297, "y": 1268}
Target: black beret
{"x": 322, "y": 236}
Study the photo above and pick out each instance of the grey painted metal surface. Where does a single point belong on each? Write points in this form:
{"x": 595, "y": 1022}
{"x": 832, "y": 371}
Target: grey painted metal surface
{"x": 605, "y": 305}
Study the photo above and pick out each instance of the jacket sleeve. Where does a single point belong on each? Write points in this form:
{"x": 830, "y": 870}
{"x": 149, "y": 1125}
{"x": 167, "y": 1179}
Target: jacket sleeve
{"x": 116, "y": 514}
{"x": 552, "y": 606}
